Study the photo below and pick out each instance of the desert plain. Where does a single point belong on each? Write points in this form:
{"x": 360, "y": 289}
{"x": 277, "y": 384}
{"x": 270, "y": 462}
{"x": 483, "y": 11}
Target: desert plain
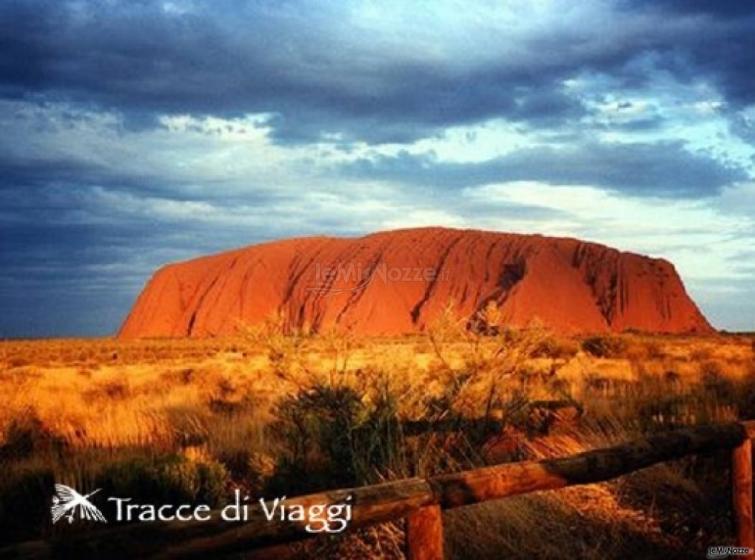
{"x": 274, "y": 411}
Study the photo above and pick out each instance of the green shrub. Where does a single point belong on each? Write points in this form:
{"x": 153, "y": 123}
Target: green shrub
{"x": 329, "y": 438}
{"x": 314, "y": 429}
{"x": 169, "y": 479}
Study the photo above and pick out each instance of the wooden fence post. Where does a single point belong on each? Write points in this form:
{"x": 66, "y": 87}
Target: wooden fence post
{"x": 424, "y": 534}
{"x": 742, "y": 492}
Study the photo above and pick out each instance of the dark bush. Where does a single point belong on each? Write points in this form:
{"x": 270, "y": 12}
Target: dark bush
{"x": 25, "y": 501}
{"x": 551, "y": 347}
{"x": 716, "y": 383}
{"x": 25, "y": 436}
{"x": 330, "y": 438}
{"x": 170, "y": 479}
{"x": 315, "y": 429}
{"x": 604, "y": 346}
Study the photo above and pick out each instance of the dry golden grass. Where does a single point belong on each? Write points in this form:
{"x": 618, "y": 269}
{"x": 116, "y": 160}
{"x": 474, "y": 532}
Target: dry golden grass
{"x": 77, "y": 409}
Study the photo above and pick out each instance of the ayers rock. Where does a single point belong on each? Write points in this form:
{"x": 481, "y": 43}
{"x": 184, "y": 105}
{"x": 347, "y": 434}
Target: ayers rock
{"x": 399, "y": 281}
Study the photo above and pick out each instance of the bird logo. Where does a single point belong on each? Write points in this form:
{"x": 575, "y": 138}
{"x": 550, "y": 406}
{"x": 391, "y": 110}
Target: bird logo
{"x": 67, "y": 502}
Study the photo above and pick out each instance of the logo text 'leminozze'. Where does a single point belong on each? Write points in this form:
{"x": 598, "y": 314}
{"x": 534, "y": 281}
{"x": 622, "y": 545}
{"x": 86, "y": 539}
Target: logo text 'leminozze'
{"x": 68, "y": 503}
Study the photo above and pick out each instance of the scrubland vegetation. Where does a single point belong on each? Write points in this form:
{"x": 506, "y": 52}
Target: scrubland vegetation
{"x": 287, "y": 413}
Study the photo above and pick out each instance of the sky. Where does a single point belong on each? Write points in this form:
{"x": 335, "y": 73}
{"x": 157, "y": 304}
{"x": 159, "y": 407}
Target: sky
{"x": 139, "y": 132}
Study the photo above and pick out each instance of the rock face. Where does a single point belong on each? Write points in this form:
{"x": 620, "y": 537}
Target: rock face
{"x": 399, "y": 281}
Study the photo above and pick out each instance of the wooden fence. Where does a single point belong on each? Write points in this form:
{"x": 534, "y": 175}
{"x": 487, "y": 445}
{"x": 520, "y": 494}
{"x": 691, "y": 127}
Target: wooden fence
{"x": 419, "y": 500}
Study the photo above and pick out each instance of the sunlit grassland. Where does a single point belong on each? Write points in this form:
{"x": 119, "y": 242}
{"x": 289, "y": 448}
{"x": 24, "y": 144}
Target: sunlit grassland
{"x": 282, "y": 413}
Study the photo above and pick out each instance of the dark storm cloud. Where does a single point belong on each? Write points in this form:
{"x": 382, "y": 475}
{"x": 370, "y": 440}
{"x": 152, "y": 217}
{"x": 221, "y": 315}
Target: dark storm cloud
{"x": 53, "y": 282}
{"x": 31, "y": 172}
{"x": 72, "y": 265}
{"x": 140, "y": 59}
{"x": 44, "y": 171}
{"x": 664, "y": 169}
{"x": 720, "y": 44}
{"x": 316, "y": 77}
{"x": 717, "y": 8}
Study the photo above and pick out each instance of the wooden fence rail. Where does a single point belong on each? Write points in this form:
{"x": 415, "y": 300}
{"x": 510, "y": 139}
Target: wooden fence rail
{"x": 419, "y": 500}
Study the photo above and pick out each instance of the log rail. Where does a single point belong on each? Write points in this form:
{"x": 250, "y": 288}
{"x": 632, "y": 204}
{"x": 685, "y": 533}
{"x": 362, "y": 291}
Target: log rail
{"x": 419, "y": 500}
